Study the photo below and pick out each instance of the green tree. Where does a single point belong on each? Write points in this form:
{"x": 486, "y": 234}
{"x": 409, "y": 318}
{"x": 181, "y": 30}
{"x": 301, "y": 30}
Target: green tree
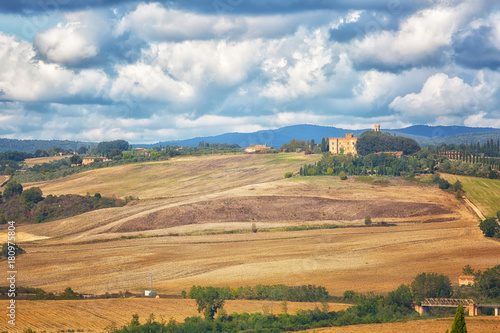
{"x": 76, "y": 159}
{"x": 115, "y": 154}
{"x": 489, "y": 227}
{"x": 82, "y": 150}
{"x": 489, "y": 282}
{"x": 342, "y": 175}
{"x": 443, "y": 184}
{"x": 401, "y": 297}
{"x": 288, "y": 174}
{"x": 208, "y": 299}
{"x": 12, "y": 188}
{"x": 457, "y": 186}
{"x": 459, "y": 322}
{"x": 430, "y": 285}
{"x": 31, "y": 197}
{"x": 493, "y": 174}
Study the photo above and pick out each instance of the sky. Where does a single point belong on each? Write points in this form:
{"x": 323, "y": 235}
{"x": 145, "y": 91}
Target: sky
{"x": 145, "y": 71}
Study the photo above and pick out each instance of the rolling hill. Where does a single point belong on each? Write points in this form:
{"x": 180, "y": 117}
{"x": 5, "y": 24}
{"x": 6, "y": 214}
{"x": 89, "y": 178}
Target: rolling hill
{"x": 424, "y": 135}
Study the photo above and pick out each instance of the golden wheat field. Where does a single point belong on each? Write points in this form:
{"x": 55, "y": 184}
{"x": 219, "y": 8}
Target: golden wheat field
{"x": 174, "y": 229}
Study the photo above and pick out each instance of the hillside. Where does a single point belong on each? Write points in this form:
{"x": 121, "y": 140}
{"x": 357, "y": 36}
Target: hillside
{"x": 196, "y": 195}
{"x": 193, "y": 226}
{"x": 31, "y": 146}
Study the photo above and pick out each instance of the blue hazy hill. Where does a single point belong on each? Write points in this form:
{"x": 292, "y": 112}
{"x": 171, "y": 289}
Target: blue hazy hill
{"x": 421, "y": 133}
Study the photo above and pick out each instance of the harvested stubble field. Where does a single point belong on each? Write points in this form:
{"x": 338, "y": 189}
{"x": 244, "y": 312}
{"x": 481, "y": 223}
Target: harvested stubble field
{"x": 474, "y": 325}
{"x": 98, "y": 314}
{"x": 41, "y": 160}
{"x": 114, "y": 249}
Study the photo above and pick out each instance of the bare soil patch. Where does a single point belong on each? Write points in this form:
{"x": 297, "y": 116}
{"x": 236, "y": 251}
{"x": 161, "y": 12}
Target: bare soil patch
{"x": 278, "y": 208}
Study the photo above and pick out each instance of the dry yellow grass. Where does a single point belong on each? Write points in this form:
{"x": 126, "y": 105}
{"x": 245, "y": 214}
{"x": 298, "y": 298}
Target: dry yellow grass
{"x": 88, "y": 254}
{"x": 474, "y": 325}
{"x": 40, "y": 160}
{"x": 3, "y": 179}
{"x": 97, "y": 314}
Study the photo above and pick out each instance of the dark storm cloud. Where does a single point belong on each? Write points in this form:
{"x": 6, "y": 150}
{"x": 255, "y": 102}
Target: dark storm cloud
{"x": 475, "y": 50}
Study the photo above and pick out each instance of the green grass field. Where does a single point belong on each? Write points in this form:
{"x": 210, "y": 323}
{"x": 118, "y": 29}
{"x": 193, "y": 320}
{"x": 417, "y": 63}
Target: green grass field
{"x": 483, "y": 192}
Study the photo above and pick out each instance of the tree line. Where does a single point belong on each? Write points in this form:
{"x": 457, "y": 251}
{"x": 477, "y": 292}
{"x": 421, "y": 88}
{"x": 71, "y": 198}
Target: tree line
{"x": 30, "y": 206}
{"x": 277, "y": 292}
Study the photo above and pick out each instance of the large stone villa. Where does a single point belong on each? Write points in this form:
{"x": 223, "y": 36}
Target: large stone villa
{"x": 346, "y": 145}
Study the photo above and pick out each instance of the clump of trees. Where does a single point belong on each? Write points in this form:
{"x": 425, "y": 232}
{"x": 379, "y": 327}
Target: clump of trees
{"x": 17, "y": 204}
{"x": 308, "y": 147}
{"x": 372, "y": 164}
{"x": 106, "y": 147}
{"x": 486, "y": 287}
{"x": 372, "y": 142}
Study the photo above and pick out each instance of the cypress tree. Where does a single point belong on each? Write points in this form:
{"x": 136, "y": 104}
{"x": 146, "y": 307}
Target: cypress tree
{"x": 459, "y": 322}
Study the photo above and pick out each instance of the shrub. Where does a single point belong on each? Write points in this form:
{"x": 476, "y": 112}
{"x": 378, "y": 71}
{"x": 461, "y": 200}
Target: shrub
{"x": 459, "y": 194}
{"x": 342, "y": 175}
{"x": 493, "y": 174}
{"x": 288, "y": 174}
{"x": 368, "y": 220}
{"x": 443, "y": 184}
{"x": 254, "y": 228}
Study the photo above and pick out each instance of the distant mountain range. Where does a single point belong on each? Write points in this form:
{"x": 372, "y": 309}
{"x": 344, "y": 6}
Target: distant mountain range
{"x": 424, "y": 135}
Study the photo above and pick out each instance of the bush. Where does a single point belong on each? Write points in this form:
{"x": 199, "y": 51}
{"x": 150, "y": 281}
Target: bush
{"x": 489, "y": 227}
{"x": 368, "y": 220}
{"x": 443, "y": 184}
{"x": 493, "y": 174}
{"x": 342, "y": 175}
{"x": 288, "y": 174}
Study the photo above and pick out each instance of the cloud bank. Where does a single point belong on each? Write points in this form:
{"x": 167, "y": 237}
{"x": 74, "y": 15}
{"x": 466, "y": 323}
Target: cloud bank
{"x": 148, "y": 71}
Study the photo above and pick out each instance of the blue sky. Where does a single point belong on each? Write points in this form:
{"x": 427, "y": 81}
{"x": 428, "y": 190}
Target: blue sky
{"x": 150, "y": 71}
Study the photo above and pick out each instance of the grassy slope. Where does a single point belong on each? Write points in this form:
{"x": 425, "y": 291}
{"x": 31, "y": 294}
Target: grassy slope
{"x": 362, "y": 259}
{"x": 483, "y": 192}
{"x": 179, "y": 176}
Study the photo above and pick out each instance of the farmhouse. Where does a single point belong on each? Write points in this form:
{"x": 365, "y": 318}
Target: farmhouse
{"x": 466, "y": 280}
{"x": 91, "y": 160}
{"x": 256, "y": 148}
